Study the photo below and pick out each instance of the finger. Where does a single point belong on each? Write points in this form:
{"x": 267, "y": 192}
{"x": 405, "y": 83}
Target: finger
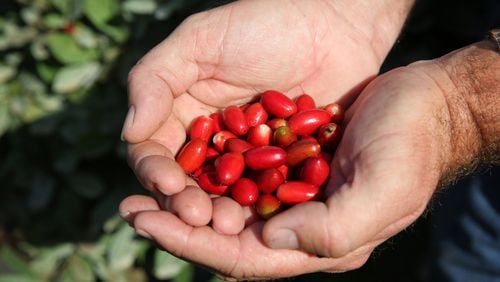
{"x": 228, "y": 216}
{"x": 192, "y": 205}
{"x": 131, "y": 205}
{"x": 242, "y": 256}
{"x": 159, "y": 173}
{"x": 162, "y": 74}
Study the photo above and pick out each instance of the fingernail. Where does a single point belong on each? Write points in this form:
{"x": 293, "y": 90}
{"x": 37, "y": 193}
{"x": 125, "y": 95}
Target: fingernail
{"x": 143, "y": 233}
{"x": 129, "y": 121}
{"x": 124, "y": 215}
{"x": 284, "y": 239}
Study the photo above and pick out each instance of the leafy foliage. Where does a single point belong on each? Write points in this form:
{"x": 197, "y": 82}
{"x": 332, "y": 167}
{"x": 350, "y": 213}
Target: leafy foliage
{"x": 63, "y": 68}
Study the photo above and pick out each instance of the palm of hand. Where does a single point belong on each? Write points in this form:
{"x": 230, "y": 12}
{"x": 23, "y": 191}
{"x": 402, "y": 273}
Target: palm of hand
{"x": 224, "y": 57}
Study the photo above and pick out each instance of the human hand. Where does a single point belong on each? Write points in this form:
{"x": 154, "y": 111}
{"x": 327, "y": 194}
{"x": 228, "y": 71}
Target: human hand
{"x": 226, "y": 56}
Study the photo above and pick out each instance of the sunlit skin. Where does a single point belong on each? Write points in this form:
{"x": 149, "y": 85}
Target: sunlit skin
{"x": 229, "y": 55}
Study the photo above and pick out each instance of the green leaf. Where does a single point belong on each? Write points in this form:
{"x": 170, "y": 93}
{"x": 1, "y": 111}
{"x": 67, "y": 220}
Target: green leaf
{"x": 145, "y": 7}
{"x": 49, "y": 259}
{"x": 167, "y": 266}
{"x": 66, "y": 50}
{"x": 14, "y": 261}
{"x": 186, "y": 275}
{"x": 100, "y": 11}
{"x": 86, "y": 184}
{"x": 17, "y": 278}
{"x": 30, "y": 15}
{"x": 39, "y": 49}
{"x": 6, "y": 73}
{"x": 54, "y": 21}
{"x": 74, "y": 77}
{"x": 77, "y": 269}
{"x": 84, "y": 36}
{"x": 46, "y": 72}
{"x": 122, "y": 249}
{"x": 61, "y": 5}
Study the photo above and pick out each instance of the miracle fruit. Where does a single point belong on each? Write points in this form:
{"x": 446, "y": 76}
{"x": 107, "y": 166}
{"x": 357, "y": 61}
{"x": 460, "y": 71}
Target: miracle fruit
{"x": 269, "y": 154}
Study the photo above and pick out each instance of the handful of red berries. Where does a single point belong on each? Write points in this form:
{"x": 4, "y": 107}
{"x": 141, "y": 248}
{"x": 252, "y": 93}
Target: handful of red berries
{"x": 270, "y": 154}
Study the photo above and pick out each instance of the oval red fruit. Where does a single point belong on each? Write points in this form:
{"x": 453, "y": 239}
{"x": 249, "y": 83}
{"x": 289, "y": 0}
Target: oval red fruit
{"x": 267, "y": 206}
{"x": 284, "y": 171}
{"x": 235, "y": 120}
{"x": 268, "y": 180}
{"x": 202, "y": 127}
{"x": 305, "y": 102}
{"x": 284, "y": 136}
{"x": 212, "y": 154}
{"x": 276, "y": 123}
{"x": 308, "y": 121}
{"x": 255, "y": 114}
{"x": 295, "y": 192}
{"x": 315, "y": 171}
{"x": 278, "y": 104}
{"x": 192, "y": 155}
{"x": 203, "y": 169}
{"x": 245, "y": 192}
{"x": 237, "y": 145}
{"x": 336, "y": 112}
{"x": 260, "y": 135}
{"x": 265, "y": 157}
{"x": 208, "y": 182}
{"x": 229, "y": 167}
{"x": 329, "y": 136}
{"x": 218, "y": 122}
{"x": 301, "y": 150}
{"x": 220, "y": 138}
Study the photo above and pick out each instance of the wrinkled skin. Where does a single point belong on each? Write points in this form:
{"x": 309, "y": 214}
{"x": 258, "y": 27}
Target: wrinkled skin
{"x": 384, "y": 171}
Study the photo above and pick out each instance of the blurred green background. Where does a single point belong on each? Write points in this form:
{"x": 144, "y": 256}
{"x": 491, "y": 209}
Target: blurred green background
{"x": 63, "y": 98}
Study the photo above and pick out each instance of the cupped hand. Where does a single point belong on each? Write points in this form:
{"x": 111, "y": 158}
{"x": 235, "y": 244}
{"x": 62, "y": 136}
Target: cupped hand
{"x": 228, "y": 56}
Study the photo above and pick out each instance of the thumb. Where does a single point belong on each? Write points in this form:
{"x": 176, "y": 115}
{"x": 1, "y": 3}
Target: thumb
{"x": 309, "y": 227}
{"x": 348, "y": 219}
{"x": 164, "y": 73}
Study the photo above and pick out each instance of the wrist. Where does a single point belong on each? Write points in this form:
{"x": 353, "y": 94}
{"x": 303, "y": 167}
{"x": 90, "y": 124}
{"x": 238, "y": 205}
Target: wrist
{"x": 469, "y": 80}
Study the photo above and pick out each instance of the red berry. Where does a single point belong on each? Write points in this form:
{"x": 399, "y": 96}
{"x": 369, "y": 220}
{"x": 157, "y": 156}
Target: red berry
{"x": 218, "y": 122}
{"x": 208, "y": 182}
{"x": 267, "y": 205}
{"x": 245, "y": 192}
{"x": 229, "y": 167}
{"x": 278, "y": 104}
{"x": 308, "y": 121}
{"x": 260, "y": 135}
{"x": 275, "y": 123}
{"x": 295, "y": 192}
{"x": 268, "y": 180}
{"x": 192, "y": 155}
{"x": 336, "y": 112}
{"x": 301, "y": 150}
{"x": 315, "y": 171}
{"x": 203, "y": 128}
{"x": 237, "y": 145}
{"x": 329, "y": 136}
{"x": 255, "y": 114}
{"x": 284, "y": 136}
{"x": 220, "y": 139}
{"x": 212, "y": 154}
{"x": 265, "y": 157}
{"x": 305, "y": 102}
{"x": 235, "y": 120}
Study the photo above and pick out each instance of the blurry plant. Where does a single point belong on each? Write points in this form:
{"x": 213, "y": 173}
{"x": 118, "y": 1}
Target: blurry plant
{"x": 63, "y": 66}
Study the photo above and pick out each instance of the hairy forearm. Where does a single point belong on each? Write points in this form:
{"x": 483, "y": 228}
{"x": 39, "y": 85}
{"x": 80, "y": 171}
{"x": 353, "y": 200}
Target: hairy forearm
{"x": 471, "y": 87}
